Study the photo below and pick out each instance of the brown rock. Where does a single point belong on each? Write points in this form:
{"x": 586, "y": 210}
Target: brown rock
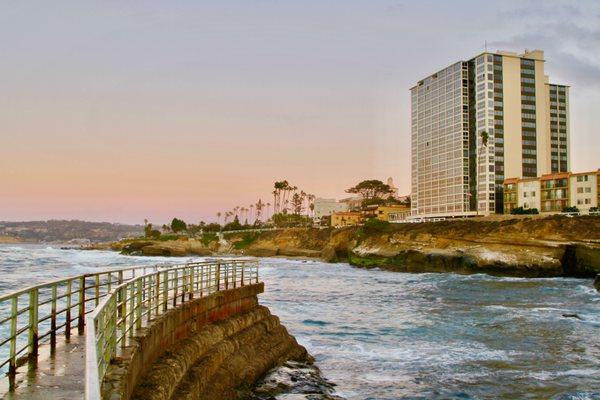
{"x": 296, "y": 252}
{"x": 328, "y": 254}
{"x": 262, "y": 251}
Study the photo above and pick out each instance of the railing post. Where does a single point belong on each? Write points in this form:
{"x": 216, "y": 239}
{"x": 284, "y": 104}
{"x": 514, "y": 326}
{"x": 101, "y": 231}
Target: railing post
{"x": 149, "y": 298}
{"x": 138, "y": 310}
{"x": 12, "y": 367}
{"x": 123, "y": 295}
{"x": 191, "y": 292}
{"x": 68, "y": 312}
{"x": 131, "y": 308}
{"x": 234, "y": 274}
{"x": 81, "y": 317}
{"x": 165, "y": 290}
{"x": 218, "y": 276}
{"x": 156, "y": 293}
{"x": 242, "y": 273}
{"x": 227, "y": 265}
{"x": 97, "y": 284}
{"x": 175, "y": 287}
{"x": 53, "y": 319}
{"x": 33, "y": 323}
{"x": 184, "y": 280}
{"x": 201, "y": 280}
{"x": 113, "y": 329}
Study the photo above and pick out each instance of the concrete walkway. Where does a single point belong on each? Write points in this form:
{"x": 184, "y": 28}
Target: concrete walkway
{"x": 58, "y": 376}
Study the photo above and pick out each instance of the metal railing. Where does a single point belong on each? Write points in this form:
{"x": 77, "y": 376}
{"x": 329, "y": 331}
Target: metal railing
{"x": 118, "y": 301}
{"x": 131, "y": 306}
{"x": 37, "y": 314}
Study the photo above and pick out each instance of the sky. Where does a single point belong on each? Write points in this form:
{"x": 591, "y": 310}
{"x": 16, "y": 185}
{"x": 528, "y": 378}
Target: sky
{"x": 119, "y": 111}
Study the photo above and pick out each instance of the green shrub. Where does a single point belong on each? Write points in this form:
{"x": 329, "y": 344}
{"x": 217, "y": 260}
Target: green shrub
{"x": 247, "y": 239}
{"x": 375, "y": 225}
{"x": 372, "y": 226}
{"x": 572, "y": 209}
{"x": 154, "y": 234}
{"x": 212, "y": 227}
{"x": 233, "y": 225}
{"x": 291, "y": 220}
{"x": 524, "y": 211}
{"x": 164, "y": 238}
{"x": 208, "y": 237}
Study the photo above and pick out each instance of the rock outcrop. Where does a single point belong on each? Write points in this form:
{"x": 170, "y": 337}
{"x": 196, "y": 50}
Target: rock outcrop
{"x": 169, "y": 248}
{"x": 212, "y": 347}
{"x": 222, "y": 360}
{"x": 529, "y": 247}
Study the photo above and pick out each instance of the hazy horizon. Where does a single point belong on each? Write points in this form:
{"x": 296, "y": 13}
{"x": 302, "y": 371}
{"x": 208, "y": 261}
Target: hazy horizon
{"x": 117, "y": 112}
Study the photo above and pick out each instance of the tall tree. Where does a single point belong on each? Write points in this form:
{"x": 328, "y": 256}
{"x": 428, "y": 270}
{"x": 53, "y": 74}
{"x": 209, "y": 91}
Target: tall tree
{"x": 259, "y": 208}
{"x": 178, "y": 225}
{"x": 371, "y": 189}
{"x": 297, "y": 204}
{"x": 311, "y": 204}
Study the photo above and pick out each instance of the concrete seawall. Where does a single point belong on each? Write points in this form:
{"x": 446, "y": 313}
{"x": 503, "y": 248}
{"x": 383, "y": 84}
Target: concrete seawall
{"x": 212, "y": 347}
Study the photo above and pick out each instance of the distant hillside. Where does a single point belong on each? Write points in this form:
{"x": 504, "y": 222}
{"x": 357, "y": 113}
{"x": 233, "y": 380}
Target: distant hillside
{"x": 64, "y": 231}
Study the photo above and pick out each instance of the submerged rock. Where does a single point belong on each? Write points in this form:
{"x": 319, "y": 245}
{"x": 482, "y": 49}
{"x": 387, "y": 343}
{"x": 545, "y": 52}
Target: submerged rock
{"x": 294, "y": 381}
{"x": 572, "y": 316}
{"x": 597, "y": 282}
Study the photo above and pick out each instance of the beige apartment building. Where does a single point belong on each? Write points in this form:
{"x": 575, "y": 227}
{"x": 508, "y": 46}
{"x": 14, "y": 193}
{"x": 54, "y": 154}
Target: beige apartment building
{"x": 347, "y": 218}
{"x": 479, "y": 121}
{"x": 326, "y": 207}
{"x": 551, "y": 193}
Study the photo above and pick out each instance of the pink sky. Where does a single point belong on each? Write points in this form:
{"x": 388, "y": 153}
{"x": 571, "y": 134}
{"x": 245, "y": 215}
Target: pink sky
{"x": 118, "y": 112}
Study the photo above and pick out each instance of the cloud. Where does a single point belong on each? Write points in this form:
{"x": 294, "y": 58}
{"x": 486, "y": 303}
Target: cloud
{"x": 569, "y": 35}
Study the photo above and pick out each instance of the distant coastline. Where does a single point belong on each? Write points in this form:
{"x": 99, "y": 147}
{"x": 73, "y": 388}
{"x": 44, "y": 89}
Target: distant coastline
{"x": 65, "y": 231}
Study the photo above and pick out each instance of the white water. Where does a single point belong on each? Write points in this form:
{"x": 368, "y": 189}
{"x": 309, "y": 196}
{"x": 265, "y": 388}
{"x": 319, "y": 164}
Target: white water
{"x": 385, "y": 335}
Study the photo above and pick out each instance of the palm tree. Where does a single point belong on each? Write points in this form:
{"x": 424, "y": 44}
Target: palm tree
{"x": 219, "y": 217}
{"x": 268, "y": 210}
{"x": 259, "y": 207}
{"x": 286, "y": 194}
{"x": 311, "y": 204}
{"x": 484, "y": 141}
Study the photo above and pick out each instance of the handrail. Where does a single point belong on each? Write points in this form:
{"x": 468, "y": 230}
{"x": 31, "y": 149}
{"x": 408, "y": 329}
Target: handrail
{"x": 130, "y": 307}
{"x": 33, "y": 315}
{"x": 38, "y": 314}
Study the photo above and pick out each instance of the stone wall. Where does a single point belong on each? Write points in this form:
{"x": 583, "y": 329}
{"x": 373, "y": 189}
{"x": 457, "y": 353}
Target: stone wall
{"x": 224, "y": 341}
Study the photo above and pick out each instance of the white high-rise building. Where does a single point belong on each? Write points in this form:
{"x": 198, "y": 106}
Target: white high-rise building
{"x": 480, "y": 121}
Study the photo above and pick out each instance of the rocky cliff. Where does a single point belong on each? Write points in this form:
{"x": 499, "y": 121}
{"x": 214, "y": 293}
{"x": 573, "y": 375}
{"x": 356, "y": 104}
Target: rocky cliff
{"x": 530, "y": 247}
